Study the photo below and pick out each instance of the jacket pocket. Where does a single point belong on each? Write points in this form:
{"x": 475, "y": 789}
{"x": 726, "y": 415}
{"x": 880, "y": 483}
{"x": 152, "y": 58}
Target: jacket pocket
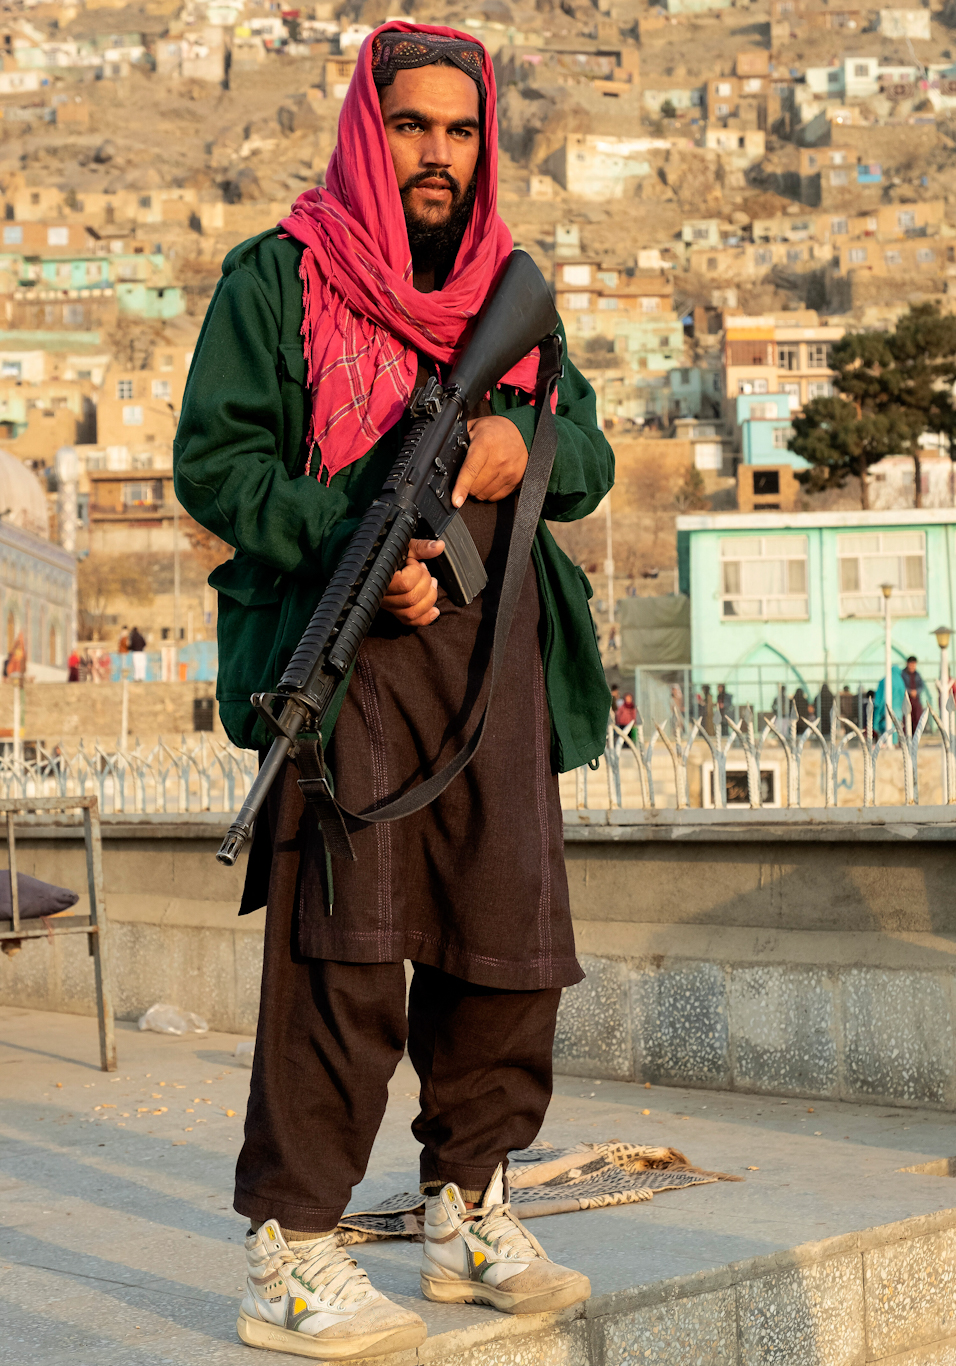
{"x": 293, "y": 361}
{"x": 246, "y": 581}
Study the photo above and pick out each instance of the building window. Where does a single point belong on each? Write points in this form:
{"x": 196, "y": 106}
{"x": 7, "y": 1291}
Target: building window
{"x": 791, "y": 389}
{"x": 74, "y": 315}
{"x": 723, "y": 111}
{"x": 143, "y": 495}
{"x": 893, "y": 258}
{"x": 788, "y": 357}
{"x": 861, "y": 69}
{"x": 781, "y": 437}
{"x": 762, "y": 411}
{"x": 711, "y": 262}
{"x": 578, "y": 300}
{"x": 13, "y": 237}
{"x": 925, "y": 256}
{"x": 133, "y": 415}
{"x": 124, "y": 388}
{"x": 837, "y": 158}
{"x": 763, "y": 256}
{"x": 10, "y": 369}
{"x": 166, "y": 362}
{"x": 856, "y": 256}
{"x": 699, "y": 234}
{"x": 869, "y": 559}
{"x": 763, "y": 578}
{"x": 161, "y": 388}
{"x": 685, "y": 377}
{"x": 607, "y": 277}
{"x": 650, "y": 303}
{"x": 573, "y": 275}
{"x": 766, "y": 483}
{"x": 146, "y": 201}
{"x": 761, "y": 386}
{"x": 58, "y": 237}
{"x": 833, "y": 77}
{"x": 84, "y": 374}
{"x": 794, "y": 254}
{"x": 811, "y": 161}
{"x": 818, "y": 356}
{"x": 820, "y": 388}
{"x": 664, "y": 343}
{"x": 839, "y": 177}
{"x": 839, "y": 227}
{"x": 906, "y": 220}
{"x": 35, "y": 197}
{"x": 607, "y": 303}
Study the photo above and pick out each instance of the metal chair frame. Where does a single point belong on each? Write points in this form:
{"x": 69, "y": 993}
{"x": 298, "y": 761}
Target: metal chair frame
{"x": 94, "y": 926}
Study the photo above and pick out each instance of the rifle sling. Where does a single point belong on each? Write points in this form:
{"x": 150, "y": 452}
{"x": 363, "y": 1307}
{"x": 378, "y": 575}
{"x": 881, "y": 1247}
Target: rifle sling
{"x": 335, "y": 819}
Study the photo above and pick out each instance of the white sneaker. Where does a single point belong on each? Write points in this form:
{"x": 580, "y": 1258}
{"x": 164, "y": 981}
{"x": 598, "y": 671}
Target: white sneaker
{"x": 312, "y": 1299}
{"x": 487, "y": 1256}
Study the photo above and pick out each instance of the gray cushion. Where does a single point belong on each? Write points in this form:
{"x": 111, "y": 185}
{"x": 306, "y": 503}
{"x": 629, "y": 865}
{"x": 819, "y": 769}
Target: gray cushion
{"x": 36, "y": 898}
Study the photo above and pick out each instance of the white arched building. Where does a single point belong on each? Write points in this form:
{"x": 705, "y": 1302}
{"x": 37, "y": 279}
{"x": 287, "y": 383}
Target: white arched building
{"x": 36, "y": 576}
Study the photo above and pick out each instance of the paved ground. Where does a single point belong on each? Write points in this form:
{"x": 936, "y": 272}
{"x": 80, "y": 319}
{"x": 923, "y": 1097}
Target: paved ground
{"x": 120, "y": 1246}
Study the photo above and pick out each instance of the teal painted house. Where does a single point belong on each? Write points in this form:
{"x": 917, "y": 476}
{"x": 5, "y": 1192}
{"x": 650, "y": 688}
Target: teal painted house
{"x": 765, "y": 430}
{"x": 794, "y": 599}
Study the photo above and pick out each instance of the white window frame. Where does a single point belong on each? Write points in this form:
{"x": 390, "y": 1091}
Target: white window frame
{"x": 133, "y": 415}
{"x": 788, "y": 606}
{"x": 124, "y": 389}
{"x": 866, "y": 600}
{"x": 161, "y": 389}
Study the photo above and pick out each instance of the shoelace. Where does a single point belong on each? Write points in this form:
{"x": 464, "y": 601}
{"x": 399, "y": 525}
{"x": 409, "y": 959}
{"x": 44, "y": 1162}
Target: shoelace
{"x": 344, "y": 1283}
{"x": 498, "y": 1225}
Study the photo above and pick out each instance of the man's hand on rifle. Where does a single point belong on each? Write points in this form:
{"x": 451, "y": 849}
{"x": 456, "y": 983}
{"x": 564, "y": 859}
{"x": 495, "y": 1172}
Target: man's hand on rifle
{"x": 412, "y": 593}
{"x": 495, "y": 463}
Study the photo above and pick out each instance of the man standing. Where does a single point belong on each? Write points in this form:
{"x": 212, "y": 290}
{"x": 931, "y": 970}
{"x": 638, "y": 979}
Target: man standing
{"x": 914, "y": 685}
{"x": 137, "y": 648}
{"x": 317, "y": 337}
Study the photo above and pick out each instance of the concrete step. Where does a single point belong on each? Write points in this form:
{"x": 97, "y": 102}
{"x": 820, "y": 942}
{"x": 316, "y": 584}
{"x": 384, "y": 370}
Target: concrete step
{"x": 121, "y": 1247}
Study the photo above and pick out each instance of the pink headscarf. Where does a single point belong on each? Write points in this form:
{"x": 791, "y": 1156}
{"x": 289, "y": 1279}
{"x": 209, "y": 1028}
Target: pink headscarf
{"x": 364, "y": 319}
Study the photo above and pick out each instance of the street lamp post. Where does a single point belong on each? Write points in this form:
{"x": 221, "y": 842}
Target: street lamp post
{"x": 943, "y": 634}
{"x": 888, "y": 657}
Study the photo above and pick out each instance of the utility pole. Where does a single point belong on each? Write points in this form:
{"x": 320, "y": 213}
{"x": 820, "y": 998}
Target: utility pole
{"x": 67, "y": 475}
{"x": 176, "y": 579}
{"x": 887, "y": 589}
{"x": 609, "y": 562}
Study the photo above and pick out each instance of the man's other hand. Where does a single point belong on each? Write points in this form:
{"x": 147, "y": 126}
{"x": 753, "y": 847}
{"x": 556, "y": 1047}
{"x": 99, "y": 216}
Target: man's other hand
{"x": 495, "y": 463}
{"x": 412, "y": 593}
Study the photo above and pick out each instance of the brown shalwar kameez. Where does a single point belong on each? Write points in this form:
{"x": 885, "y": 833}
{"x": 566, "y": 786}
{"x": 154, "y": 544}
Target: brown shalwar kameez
{"x": 472, "y": 890}
{"x": 475, "y": 883}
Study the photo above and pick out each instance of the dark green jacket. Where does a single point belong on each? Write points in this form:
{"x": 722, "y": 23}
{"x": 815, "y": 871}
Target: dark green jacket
{"x": 239, "y": 471}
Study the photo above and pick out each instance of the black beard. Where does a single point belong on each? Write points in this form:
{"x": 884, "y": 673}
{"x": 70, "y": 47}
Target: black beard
{"x": 434, "y": 246}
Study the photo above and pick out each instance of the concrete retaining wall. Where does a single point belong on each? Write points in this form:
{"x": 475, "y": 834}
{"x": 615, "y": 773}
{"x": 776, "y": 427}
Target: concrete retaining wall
{"x": 792, "y": 953}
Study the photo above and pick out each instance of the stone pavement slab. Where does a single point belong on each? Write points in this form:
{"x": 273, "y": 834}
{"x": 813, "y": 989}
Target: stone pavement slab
{"x": 120, "y": 1246}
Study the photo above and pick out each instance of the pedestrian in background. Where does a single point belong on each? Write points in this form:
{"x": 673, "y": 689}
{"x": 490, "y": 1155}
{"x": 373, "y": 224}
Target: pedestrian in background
{"x": 137, "y": 648}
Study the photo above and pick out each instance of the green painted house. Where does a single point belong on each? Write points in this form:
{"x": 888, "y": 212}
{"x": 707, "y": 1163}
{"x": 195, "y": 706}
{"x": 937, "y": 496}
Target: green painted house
{"x": 795, "y": 600}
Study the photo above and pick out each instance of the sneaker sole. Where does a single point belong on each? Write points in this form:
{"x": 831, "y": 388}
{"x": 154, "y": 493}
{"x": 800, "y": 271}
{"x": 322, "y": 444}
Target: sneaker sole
{"x": 255, "y": 1333}
{"x": 532, "y": 1302}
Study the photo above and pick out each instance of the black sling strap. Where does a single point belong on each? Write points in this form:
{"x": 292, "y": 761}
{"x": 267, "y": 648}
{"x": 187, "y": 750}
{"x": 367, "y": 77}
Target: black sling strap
{"x": 335, "y": 819}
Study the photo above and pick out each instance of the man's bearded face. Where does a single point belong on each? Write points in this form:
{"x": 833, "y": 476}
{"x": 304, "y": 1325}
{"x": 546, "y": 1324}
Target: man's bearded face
{"x": 435, "y": 228}
{"x": 432, "y": 123}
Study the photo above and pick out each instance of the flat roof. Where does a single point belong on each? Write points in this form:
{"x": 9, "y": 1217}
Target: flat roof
{"x": 780, "y": 521}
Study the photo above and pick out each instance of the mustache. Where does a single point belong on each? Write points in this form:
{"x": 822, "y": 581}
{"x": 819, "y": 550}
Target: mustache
{"x": 419, "y": 179}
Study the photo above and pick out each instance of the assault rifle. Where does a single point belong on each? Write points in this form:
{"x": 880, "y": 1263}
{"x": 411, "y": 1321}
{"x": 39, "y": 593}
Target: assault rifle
{"x": 415, "y": 502}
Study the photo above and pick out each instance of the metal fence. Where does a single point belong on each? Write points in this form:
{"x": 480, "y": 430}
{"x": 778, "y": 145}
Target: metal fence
{"x": 836, "y": 741}
{"x": 201, "y": 774}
